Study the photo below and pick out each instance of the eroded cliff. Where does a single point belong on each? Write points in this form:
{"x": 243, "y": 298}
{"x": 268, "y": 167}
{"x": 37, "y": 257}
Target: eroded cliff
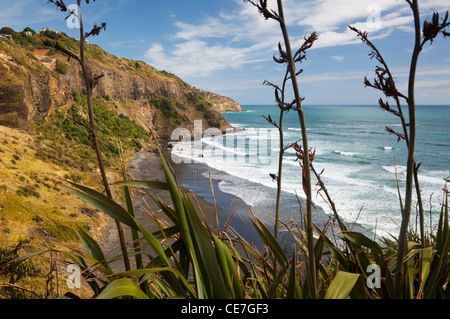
{"x": 35, "y": 81}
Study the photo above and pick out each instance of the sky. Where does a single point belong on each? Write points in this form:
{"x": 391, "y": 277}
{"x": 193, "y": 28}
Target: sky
{"x": 226, "y": 46}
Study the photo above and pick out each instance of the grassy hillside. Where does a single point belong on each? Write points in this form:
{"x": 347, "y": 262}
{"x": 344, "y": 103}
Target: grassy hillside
{"x": 35, "y": 211}
{"x": 58, "y": 146}
{"x": 47, "y": 145}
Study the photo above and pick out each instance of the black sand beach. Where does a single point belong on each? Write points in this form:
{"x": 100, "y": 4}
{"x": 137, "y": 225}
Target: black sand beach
{"x": 195, "y": 178}
{"x": 147, "y": 166}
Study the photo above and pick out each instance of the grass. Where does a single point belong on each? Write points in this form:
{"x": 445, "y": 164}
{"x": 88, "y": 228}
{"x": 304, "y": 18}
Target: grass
{"x": 36, "y": 212}
{"x": 32, "y": 187}
{"x": 66, "y": 129}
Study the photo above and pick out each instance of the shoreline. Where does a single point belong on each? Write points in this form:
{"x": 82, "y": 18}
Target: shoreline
{"x": 194, "y": 178}
{"x": 146, "y": 166}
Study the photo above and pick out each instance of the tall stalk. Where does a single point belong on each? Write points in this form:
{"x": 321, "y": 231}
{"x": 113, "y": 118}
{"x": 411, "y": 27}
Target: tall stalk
{"x": 90, "y": 82}
{"x": 283, "y": 108}
{"x": 289, "y": 58}
{"x": 306, "y": 174}
{"x": 385, "y": 82}
{"x": 280, "y": 174}
{"x": 406, "y": 214}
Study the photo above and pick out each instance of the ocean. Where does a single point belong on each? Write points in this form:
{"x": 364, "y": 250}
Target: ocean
{"x": 358, "y": 157}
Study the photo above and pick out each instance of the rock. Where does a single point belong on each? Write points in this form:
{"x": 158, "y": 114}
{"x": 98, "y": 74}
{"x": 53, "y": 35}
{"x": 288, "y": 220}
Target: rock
{"x": 31, "y": 89}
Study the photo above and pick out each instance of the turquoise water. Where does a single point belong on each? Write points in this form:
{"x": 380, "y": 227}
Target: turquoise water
{"x": 352, "y": 147}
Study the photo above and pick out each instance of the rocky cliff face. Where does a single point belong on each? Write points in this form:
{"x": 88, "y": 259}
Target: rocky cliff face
{"x": 35, "y": 81}
{"x": 220, "y": 103}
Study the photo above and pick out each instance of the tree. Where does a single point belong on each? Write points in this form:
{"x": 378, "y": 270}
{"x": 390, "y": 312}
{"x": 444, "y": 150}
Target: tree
{"x": 7, "y": 30}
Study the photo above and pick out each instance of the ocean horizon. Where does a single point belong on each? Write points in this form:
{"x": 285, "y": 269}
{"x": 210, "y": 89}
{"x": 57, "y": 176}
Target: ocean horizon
{"x": 361, "y": 163}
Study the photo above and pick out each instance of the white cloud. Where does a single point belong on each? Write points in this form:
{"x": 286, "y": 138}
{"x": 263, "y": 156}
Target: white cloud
{"x": 327, "y": 77}
{"x": 431, "y": 78}
{"x": 330, "y": 15}
{"x": 228, "y": 40}
{"x": 380, "y": 18}
{"x": 197, "y": 58}
{"x": 211, "y": 28}
{"x": 432, "y": 83}
{"x": 338, "y": 57}
{"x": 236, "y": 38}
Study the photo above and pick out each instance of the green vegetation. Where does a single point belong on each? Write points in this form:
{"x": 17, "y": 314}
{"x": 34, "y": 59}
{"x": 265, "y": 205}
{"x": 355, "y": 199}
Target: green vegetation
{"x": 7, "y": 30}
{"x": 28, "y": 191}
{"x": 166, "y": 106}
{"x": 189, "y": 259}
{"x": 35, "y": 211}
{"x": 61, "y": 67}
{"x": 26, "y": 41}
{"x": 203, "y": 109}
{"x": 112, "y": 127}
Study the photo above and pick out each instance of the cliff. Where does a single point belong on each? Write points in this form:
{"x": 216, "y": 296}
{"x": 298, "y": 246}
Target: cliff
{"x": 44, "y": 140}
{"x": 35, "y": 81}
{"x": 220, "y": 103}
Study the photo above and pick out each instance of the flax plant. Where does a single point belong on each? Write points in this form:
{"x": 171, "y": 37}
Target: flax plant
{"x": 278, "y": 178}
{"x": 289, "y": 58}
{"x": 90, "y": 81}
{"x": 384, "y": 81}
{"x": 189, "y": 261}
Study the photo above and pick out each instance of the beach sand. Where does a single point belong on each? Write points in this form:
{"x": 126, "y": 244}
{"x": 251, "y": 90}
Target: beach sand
{"x": 194, "y": 178}
{"x": 146, "y": 166}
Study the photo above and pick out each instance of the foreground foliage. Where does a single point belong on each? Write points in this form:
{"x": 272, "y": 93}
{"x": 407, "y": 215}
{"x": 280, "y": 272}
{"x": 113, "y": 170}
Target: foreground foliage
{"x": 190, "y": 260}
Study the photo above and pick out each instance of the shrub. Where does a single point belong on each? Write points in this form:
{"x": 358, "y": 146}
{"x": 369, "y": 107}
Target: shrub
{"x": 38, "y": 219}
{"x": 28, "y": 191}
{"x": 7, "y": 30}
{"x": 28, "y": 29}
{"x": 180, "y": 106}
{"x": 110, "y": 127}
{"x": 50, "y": 34}
{"x": 61, "y": 67}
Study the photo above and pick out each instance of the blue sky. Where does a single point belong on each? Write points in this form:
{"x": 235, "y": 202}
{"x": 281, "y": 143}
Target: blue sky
{"x": 225, "y": 46}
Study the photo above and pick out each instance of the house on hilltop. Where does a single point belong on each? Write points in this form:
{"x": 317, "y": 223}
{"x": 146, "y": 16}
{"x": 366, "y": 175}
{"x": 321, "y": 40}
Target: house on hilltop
{"x": 48, "y": 29}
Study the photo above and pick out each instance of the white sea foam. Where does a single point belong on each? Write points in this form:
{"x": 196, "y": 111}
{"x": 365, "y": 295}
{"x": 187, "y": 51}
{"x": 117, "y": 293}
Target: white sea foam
{"x": 353, "y": 184}
{"x": 433, "y": 177}
{"x": 392, "y": 169}
{"x": 347, "y": 153}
